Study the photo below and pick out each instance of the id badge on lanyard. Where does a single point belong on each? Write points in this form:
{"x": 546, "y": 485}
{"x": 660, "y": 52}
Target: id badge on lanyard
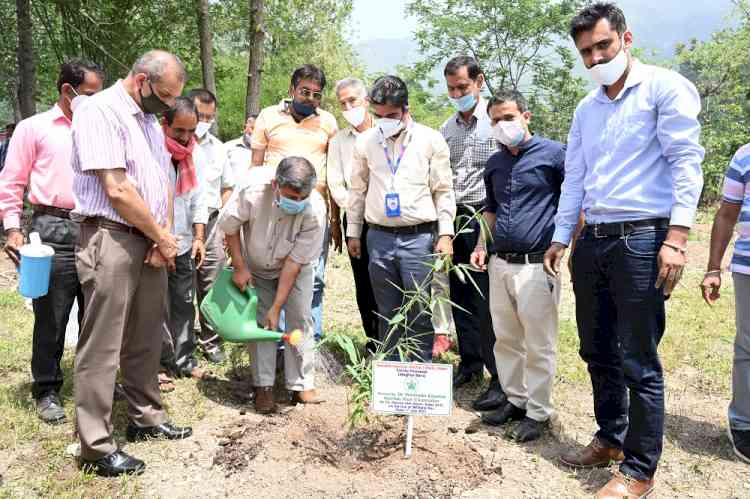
{"x": 392, "y": 199}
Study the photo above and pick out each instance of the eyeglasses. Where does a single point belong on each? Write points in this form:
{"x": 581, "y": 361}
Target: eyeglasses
{"x": 206, "y": 117}
{"x": 307, "y": 93}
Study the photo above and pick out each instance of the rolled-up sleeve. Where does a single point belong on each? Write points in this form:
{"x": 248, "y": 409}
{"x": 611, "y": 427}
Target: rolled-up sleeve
{"x": 358, "y": 190}
{"x": 198, "y": 206}
{"x": 14, "y": 177}
{"x": 678, "y": 131}
{"x": 441, "y": 186}
{"x": 571, "y": 196}
{"x": 236, "y": 212}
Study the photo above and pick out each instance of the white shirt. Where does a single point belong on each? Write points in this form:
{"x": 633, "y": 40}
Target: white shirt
{"x": 214, "y": 172}
{"x": 239, "y": 156}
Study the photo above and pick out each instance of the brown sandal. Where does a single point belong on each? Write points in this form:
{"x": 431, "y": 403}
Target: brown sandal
{"x": 166, "y": 384}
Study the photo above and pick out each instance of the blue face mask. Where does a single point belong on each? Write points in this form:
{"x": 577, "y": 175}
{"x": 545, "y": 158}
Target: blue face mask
{"x": 465, "y": 103}
{"x": 290, "y": 206}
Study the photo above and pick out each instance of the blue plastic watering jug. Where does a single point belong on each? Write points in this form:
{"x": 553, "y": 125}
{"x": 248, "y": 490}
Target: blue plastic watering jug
{"x": 36, "y": 266}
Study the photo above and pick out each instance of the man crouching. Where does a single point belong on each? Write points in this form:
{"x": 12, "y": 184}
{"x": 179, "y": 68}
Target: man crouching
{"x": 282, "y": 221}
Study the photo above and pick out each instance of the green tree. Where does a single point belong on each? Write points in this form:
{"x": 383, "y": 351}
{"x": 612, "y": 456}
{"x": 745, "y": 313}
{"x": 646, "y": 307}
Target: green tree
{"x": 518, "y": 44}
{"x": 718, "y": 68}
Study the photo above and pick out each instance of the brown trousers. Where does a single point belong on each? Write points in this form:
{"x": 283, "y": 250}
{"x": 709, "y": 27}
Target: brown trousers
{"x": 121, "y": 327}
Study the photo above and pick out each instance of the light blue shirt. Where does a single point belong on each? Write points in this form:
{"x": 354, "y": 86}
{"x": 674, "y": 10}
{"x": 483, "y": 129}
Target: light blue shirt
{"x": 189, "y": 208}
{"x": 634, "y": 157}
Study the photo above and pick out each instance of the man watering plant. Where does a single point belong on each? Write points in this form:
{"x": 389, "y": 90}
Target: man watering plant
{"x": 282, "y": 218}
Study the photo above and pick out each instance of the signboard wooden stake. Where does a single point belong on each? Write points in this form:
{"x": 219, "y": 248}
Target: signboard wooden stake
{"x": 409, "y": 435}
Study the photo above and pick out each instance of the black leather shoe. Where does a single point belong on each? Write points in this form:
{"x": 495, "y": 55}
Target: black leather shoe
{"x": 527, "y": 430}
{"x": 740, "y": 440}
{"x": 462, "y": 378}
{"x": 503, "y": 414}
{"x": 115, "y": 464}
{"x": 165, "y": 430}
{"x": 490, "y": 400}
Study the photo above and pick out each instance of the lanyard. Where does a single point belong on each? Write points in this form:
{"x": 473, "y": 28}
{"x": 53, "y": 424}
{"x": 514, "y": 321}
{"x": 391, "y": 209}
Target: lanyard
{"x": 391, "y": 166}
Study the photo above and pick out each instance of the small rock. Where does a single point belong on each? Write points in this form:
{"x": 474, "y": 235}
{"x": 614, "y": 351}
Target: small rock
{"x": 471, "y": 429}
{"x": 224, "y": 441}
{"x": 73, "y": 450}
{"x": 453, "y": 429}
{"x": 243, "y": 412}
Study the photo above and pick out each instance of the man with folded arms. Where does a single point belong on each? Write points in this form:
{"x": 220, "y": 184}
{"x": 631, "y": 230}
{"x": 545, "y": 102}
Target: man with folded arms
{"x": 402, "y": 186}
{"x": 39, "y": 160}
{"x": 633, "y": 165}
{"x": 123, "y": 199}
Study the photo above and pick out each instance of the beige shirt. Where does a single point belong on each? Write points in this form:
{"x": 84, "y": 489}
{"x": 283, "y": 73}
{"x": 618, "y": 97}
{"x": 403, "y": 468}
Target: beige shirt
{"x": 270, "y": 235}
{"x": 339, "y": 165}
{"x": 423, "y": 181}
{"x": 281, "y": 136}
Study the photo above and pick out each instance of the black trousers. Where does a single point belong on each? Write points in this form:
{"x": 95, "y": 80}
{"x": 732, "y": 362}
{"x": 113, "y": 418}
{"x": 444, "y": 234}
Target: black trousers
{"x": 476, "y": 339}
{"x": 365, "y": 296}
{"x": 51, "y": 311}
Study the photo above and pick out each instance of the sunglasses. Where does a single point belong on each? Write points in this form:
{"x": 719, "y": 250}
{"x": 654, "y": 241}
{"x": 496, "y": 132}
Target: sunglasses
{"x": 307, "y": 93}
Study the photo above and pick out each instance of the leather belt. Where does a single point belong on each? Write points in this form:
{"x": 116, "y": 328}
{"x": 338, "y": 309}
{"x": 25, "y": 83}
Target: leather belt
{"x": 621, "y": 229}
{"x": 525, "y": 258}
{"x": 105, "y": 223}
{"x": 51, "y": 210}
{"x": 423, "y": 228}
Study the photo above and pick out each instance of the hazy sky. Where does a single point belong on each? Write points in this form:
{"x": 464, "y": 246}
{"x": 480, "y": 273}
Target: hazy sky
{"x": 381, "y": 19}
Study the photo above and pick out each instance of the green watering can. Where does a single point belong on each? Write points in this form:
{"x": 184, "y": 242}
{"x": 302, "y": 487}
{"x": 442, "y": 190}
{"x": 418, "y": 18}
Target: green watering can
{"x": 232, "y": 313}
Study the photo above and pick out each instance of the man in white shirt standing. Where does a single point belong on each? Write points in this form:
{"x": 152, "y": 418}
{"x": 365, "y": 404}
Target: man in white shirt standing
{"x": 216, "y": 183}
{"x": 633, "y": 165}
{"x": 239, "y": 152}
{"x": 352, "y": 96}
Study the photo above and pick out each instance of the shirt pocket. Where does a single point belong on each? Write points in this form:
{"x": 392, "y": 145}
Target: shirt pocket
{"x": 282, "y": 249}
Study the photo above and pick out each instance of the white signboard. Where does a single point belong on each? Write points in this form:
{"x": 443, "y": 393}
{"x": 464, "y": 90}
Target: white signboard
{"x": 412, "y": 388}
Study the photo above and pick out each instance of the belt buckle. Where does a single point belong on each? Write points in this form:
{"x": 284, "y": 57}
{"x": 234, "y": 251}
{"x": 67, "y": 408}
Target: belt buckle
{"x": 596, "y": 232}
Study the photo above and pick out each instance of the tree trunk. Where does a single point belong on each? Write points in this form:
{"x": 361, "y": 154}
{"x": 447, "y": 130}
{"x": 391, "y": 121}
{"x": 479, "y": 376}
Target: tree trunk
{"x": 207, "y": 46}
{"x": 255, "y": 39}
{"x": 26, "y": 63}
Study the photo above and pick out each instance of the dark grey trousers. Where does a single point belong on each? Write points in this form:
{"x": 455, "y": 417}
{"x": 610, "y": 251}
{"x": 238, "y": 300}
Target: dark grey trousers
{"x": 178, "y": 337}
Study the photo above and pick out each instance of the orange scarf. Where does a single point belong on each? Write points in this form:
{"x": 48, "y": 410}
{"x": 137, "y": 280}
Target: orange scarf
{"x": 187, "y": 178}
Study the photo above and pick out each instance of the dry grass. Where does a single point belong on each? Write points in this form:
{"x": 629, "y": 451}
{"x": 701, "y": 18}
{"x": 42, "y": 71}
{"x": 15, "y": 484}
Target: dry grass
{"x": 696, "y": 351}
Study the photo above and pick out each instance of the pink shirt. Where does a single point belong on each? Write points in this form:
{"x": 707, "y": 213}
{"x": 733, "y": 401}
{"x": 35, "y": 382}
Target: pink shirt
{"x": 111, "y": 132}
{"x": 38, "y": 158}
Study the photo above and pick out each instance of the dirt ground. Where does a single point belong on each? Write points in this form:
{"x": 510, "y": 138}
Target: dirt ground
{"x": 308, "y": 452}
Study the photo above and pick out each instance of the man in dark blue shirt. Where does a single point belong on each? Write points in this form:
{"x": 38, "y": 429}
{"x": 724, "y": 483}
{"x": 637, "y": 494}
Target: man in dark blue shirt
{"x": 523, "y": 181}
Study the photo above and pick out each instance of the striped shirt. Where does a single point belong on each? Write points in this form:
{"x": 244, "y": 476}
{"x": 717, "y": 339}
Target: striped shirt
{"x": 471, "y": 145}
{"x": 737, "y": 191}
{"x": 111, "y": 132}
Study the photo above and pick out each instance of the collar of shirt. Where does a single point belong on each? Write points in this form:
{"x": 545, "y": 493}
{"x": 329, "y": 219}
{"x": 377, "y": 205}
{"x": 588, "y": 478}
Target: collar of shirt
{"x": 130, "y": 104}
{"x": 479, "y": 114}
{"x": 637, "y": 75}
{"x": 524, "y": 146}
{"x": 284, "y": 109}
{"x": 56, "y": 113}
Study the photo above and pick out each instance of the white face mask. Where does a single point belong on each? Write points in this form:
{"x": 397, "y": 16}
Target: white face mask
{"x": 509, "y": 133}
{"x": 389, "y": 126}
{"x": 609, "y": 72}
{"x": 77, "y": 101}
{"x": 355, "y": 116}
{"x": 202, "y": 129}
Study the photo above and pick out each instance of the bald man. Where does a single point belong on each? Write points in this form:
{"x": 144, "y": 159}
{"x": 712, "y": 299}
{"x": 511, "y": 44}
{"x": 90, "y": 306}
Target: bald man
{"x": 124, "y": 203}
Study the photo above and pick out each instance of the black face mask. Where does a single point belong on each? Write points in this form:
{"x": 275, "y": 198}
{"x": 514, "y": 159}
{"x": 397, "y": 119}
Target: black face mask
{"x": 152, "y": 104}
{"x": 302, "y": 109}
